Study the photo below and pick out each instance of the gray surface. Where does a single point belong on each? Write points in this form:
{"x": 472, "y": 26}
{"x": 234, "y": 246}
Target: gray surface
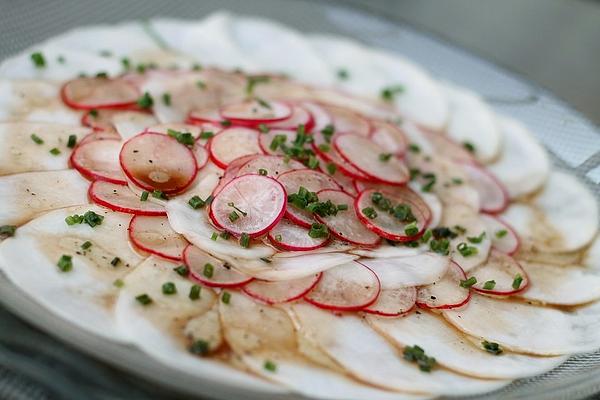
{"x": 40, "y": 367}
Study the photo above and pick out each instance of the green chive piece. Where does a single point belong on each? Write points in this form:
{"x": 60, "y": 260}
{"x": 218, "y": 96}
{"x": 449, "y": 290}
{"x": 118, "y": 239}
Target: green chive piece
{"x": 369, "y": 212}
{"x": 115, "y": 261}
{"x": 86, "y": 245}
{"x": 36, "y": 139}
{"x": 517, "y": 281}
{"x": 279, "y": 238}
{"x": 144, "y": 299}
{"x": 38, "y": 60}
{"x": 199, "y": 348}
{"x": 185, "y": 138}
{"x": 225, "y": 122}
{"x": 92, "y": 219}
{"x": 93, "y": 113}
{"x": 182, "y": 270}
{"x": 61, "y": 59}
{"x": 440, "y": 246}
{"x": 465, "y": 250}
{"x": 469, "y": 146}
{"x": 457, "y": 181}
{"x": 417, "y": 355}
{"x": 489, "y": 285}
{"x": 331, "y": 168}
{"x": 196, "y": 202}
{"x": 477, "y": 239}
{"x": 501, "y": 233}
{"x": 158, "y": 194}
{"x": 166, "y": 98}
{"x": 146, "y": 101}
{"x": 102, "y": 75}
{"x": 252, "y": 81}
{"x": 491, "y": 347}
{"x": 312, "y": 162}
{"x": 328, "y": 132}
{"x": 194, "y": 292}
{"x": 8, "y": 230}
{"x": 263, "y": 172}
{"x": 54, "y": 151}
{"x": 426, "y": 236}
{"x": 267, "y": 260}
{"x": 72, "y": 141}
{"x": 389, "y": 93}
{"x": 324, "y": 147}
{"x": 208, "y": 270}
{"x": 384, "y": 157}
{"x": 262, "y": 103}
{"x": 245, "y": 240}
{"x": 467, "y": 283}
{"x": 342, "y": 74}
{"x": 214, "y": 236}
{"x": 233, "y": 216}
{"x": 206, "y": 135}
{"x": 169, "y": 288}
{"x": 414, "y": 148}
{"x": 74, "y": 219}
{"x": 431, "y": 178}
{"x": 119, "y": 283}
{"x": 196, "y": 67}
{"x": 226, "y": 297}
{"x": 201, "y": 85}
{"x": 411, "y": 229}
{"x": 263, "y": 128}
{"x": 270, "y": 366}
{"x": 65, "y": 263}
{"x": 105, "y": 53}
{"x": 126, "y": 63}
{"x": 144, "y": 196}
{"x": 318, "y": 231}
{"x": 342, "y": 207}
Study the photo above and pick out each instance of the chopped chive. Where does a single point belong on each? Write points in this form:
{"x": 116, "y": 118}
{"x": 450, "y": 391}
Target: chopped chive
{"x": 224, "y": 235}
{"x": 185, "y": 138}
{"x": 517, "y": 281}
{"x": 38, "y": 60}
{"x": 208, "y": 270}
{"x": 431, "y": 181}
{"x": 144, "y": 299}
{"x": 166, "y": 98}
{"x": 426, "y": 236}
{"x": 465, "y": 250}
{"x": 72, "y": 141}
{"x": 8, "y": 230}
{"x": 102, "y": 75}
{"x": 206, "y": 134}
{"x": 263, "y": 172}
{"x": 270, "y": 366}
{"x": 119, "y": 283}
{"x": 196, "y": 67}
{"x": 467, "y": 283}
{"x": 232, "y": 204}
{"x": 199, "y": 348}
{"x": 93, "y": 113}
{"x": 414, "y": 148}
{"x": 200, "y": 85}
{"x": 331, "y": 168}
{"x": 92, "y": 219}
{"x": 318, "y": 231}
{"x": 214, "y": 236}
{"x": 226, "y": 297}
{"x": 469, "y": 146}
{"x": 489, "y": 285}
{"x": 491, "y": 347}
{"x": 194, "y": 292}
{"x": 324, "y": 147}
{"x": 126, "y": 63}
{"x": 233, "y": 216}
{"x": 74, "y": 219}
{"x": 146, "y": 101}
{"x": 196, "y": 202}
{"x": 440, "y": 246}
{"x": 411, "y": 229}
{"x": 369, "y": 212}
{"x": 262, "y": 103}
{"x": 342, "y": 74}
{"x": 245, "y": 240}
{"x": 36, "y": 139}
{"x": 115, "y": 261}
{"x": 265, "y": 259}
{"x": 501, "y": 233}
{"x": 105, "y": 53}
{"x": 476, "y": 239}
{"x": 54, "y": 151}
{"x": 384, "y": 157}
{"x": 279, "y": 238}
{"x": 312, "y": 162}
{"x": 61, "y": 59}
{"x": 263, "y": 128}
{"x": 252, "y": 81}
{"x": 65, "y": 263}
{"x": 225, "y": 122}
{"x": 328, "y": 132}
{"x": 158, "y": 194}
{"x": 169, "y": 288}
{"x": 86, "y": 245}
{"x": 342, "y": 207}
{"x": 457, "y": 181}
{"x": 182, "y": 270}
{"x": 417, "y": 355}
{"x": 144, "y": 196}
{"x": 389, "y": 93}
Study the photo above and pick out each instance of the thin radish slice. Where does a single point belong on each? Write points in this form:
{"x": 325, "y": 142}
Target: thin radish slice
{"x": 211, "y": 271}
{"x": 389, "y": 137}
{"x": 394, "y": 302}
{"x": 98, "y": 93}
{"x": 201, "y": 154}
{"x": 120, "y": 198}
{"x": 366, "y": 156}
{"x": 321, "y": 118}
{"x": 233, "y": 143}
{"x": 299, "y": 116}
{"x": 345, "y": 225}
{"x": 408, "y": 270}
{"x": 110, "y": 134}
{"x": 99, "y": 160}
{"x": 233, "y": 170}
{"x": 504, "y": 237}
{"x": 274, "y": 165}
{"x": 282, "y": 291}
{"x": 323, "y": 147}
{"x": 265, "y": 140}
{"x": 505, "y": 272}
{"x": 154, "y": 235}
{"x": 492, "y": 194}
{"x": 348, "y": 121}
{"x": 345, "y": 182}
{"x": 292, "y": 237}
{"x": 383, "y": 222}
{"x": 254, "y": 112}
{"x": 449, "y": 148}
{"x": 205, "y": 115}
{"x": 99, "y": 120}
{"x": 250, "y": 204}
{"x": 445, "y": 293}
{"x": 311, "y": 180}
{"x": 154, "y": 161}
{"x": 347, "y": 287}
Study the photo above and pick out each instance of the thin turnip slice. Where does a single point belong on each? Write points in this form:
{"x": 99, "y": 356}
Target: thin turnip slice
{"x": 500, "y": 275}
{"x": 120, "y": 198}
{"x": 99, "y": 160}
{"x": 154, "y": 235}
{"x": 292, "y": 237}
{"x": 282, "y": 291}
{"x": 394, "y": 302}
{"x": 273, "y": 165}
{"x": 347, "y": 287}
{"x": 211, "y": 271}
{"x": 323, "y": 146}
{"x": 504, "y": 237}
{"x": 233, "y": 143}
{"x": 254, "y": 112}
{"x": 99, "y": 93}
{"x": 493, "y": 196}
{"x": 445, "y": 293}
{"x": 416, "y": 270}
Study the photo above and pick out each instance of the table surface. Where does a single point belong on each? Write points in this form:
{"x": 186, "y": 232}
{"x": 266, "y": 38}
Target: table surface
{"x": 551, "y": 42}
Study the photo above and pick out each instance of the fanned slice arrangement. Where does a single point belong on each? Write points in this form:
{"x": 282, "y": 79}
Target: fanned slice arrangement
{"x": 340, "y": 230}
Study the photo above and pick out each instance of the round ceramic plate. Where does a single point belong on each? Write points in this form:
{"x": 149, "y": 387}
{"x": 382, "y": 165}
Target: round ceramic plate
{"x": 572, "y": 141}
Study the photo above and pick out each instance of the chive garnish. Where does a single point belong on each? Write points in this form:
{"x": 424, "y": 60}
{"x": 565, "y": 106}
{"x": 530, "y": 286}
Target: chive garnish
{"x": 389, "y": 93}
{"x": 491, "y": 347}
{"x": 196, "y": 202}
{"x": 279, "y": 238}
{"x": 38, "y": 60}
{"x": 342, "y": 74}
{"x": 517, "y": 281}
{"x": 144, "y": 299}
{"x": 65, "y": 263}
{"x": 384, "y": 157}
{"x": 262, "y": 172}
{"x": 312, "y": 162}
{"x": 185, "y": 138}
{"x": 119, "y": 283}
{"x": 208, "y": 270}
{"x": 469, "y": 146}
{"x": 8, "y": 230}
{"x": 411, "y": 229}
{"x": 414, "y": 148}
{"x": 200, "y": 85}
{"x": 263, "y": 128}
{"x": 54, "y": 151}
{"x": 465, "y": 250}
{"x": 233, "y": 216}
{"x": 206, "y": 134}
{"x": 144, "y": 196}
{"x": 146, "y": 101}
{"x": 324, "y": 147}
{"x": 331, "y": 168}
{"x": 245, "y": 240}
{"x": 182, "y": 270}
{"x": 214, "y": 236}
{"x": 489, "y": 285}
{"x": 501, "y": 233}
{"x": 159, "y": 194}
{"x": 476, "y": 239}
{"x": 440, "y": 246}
{"x": 417, "y": 355}
{"x": 232, "y": 204}
{"x": 72, "y": 141}
{"x": 270, "y": 366}
{"x": 199, "y": 348}
{"x": 369, "y": 212}
{"x": 115, "y": 261}
{"x": 226, "y": 297}
{"x": 169, "y": 288}
{"x": 126, "y": 63}
{"x": 86, "y": 245}
{"x": 318, "y": 231}
{"x": 194, "y": 292}
{"x": 166, "y": 98}
{"x": 467, "y": 283}
{"x": 252, "y": 81}
{"x": 36, "y": 139}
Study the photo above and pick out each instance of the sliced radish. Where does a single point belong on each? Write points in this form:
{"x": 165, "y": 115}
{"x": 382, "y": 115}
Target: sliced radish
{"x": 258, "y": 201}
{"x": 299, "y": 116}
{"x": 110, "y": 134}
{"x": 121, "y": 198}
{"x": 504, "y": 271}
{"x": 98, "y": 93}
{"x": 325, "y": 149}
{"x": 384, "y": 223}
{"x": 504, "y": 237}
{"x": 445, "y": 293}
{"x": 154, "y": 235}
{"x": 233, "y": 170}
{"x": 345, "y": 225}
{"x": 492, "y": 194}
{"x": 233, "y": 143}
{"x": 344, "y": 181}
{"x": 205, "y": 115}
{"x": 254, "y": 112}
{"x": 394, "y": 302}
{"x": 320, "y": 117}
{"x": 282, "y": 291}
{"x": 365, "y": 155}
{"x": 211, "y": 271}
{"x": 348, "y": 121}
{"x": 448, "y": 147}
{"x": 347, "y": 287}
{"x": 311, "y": 180}
{"x": 389, "y": 137}
{"x": 265, "y": 140}
{"x": 201, "y": 154}
{"x": 292, "y": 237}
{"x": 154, "y": 161}
{"x": 99, "y": 160}
{"x": 274, "y": 165}
{"x": 100, "y": 120}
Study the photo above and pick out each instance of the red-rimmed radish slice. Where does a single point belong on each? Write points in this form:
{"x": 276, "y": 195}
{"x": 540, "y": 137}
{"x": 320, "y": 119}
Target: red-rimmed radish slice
{"x": 282, "y": 291}
{"x": 365, "y": 155}
{"x": 154, "y": 161}
{"x": 385, "y": 223}
{"x": 265, "y": 140}
{"x": 232, "y": 143}
{"x": 98, "y": 93}
{"x": 394, "y": 302}
{"x": 504, "y": 237}
{"x": 299, "y": 116}
{"x": 345, "y": 225}
{"x": 233, "y": 170}
{"x": 445, "y": 293}
{"x": 505, "y": 271}
{"x": 346, "y": 183}
{"x": 254, "y": 112}
{"x": 321, "y": 118}
{"x": 493, "y": 196}
{"x": 110, "y": 134}
{"x": 211, "y": 271}
{"x": 448, "y": 147}
{"x": 389, "y": 137}
{"x": 262, "y": 199}
{"x": 201, "y": 154}
{"x": 99, "y": 120}
{"x": 205, "y": 115}
{"x": 292, "y": 237}
{"x": 99, "y": 160}
{"x": 347, "y": 287}
{"x": 311, "y": 180}
{"x": 348, "y": 121}
{"x": 274, "y": 165}
{"x": 327, "y": 151}
{"x": 121, "y": 198}
{"x": 154, "y": 235}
